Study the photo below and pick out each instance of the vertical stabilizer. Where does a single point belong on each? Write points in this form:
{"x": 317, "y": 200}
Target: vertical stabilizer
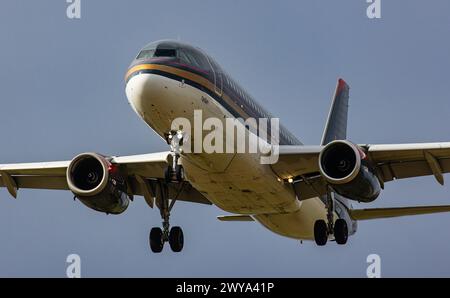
{"x": 336, "y": 126}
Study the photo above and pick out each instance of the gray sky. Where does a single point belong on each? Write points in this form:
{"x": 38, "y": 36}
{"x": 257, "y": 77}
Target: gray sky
{"x": 62, "y": 93}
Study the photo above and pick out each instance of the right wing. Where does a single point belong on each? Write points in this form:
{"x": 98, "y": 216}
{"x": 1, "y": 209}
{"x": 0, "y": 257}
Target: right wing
{"x": 139, "y": 170}
{"x": 392, "y": 162}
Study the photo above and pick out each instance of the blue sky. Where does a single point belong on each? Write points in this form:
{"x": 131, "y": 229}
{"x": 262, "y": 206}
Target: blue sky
{"x": 62, "y": 93}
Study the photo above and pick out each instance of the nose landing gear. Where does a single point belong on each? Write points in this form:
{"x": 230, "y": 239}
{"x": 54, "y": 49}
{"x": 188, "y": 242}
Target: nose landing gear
{"x": 322, "y": 228}
{"x": 175, "y": 172}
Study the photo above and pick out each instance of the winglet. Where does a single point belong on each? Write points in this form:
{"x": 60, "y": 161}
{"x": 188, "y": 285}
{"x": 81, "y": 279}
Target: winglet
{"x": 336, "y": 126}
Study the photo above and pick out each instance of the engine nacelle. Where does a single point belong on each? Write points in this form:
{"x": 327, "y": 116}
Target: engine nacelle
{"x": 97, "y": 183}
{"x": 345, "y": 167}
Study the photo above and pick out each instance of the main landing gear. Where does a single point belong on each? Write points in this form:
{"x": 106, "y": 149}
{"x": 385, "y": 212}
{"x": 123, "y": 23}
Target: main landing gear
{"x": 174, "y": 174}
{"x": 159, "y": 236}
{"x": 322, "y": 228}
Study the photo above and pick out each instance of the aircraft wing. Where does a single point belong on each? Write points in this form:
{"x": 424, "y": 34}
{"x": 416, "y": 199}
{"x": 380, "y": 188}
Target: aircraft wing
{"x": 52, "y": 175}
{"x": 393, "y": 161}
{"x": 411, "y": 160}
{"x": 297, "y": 161}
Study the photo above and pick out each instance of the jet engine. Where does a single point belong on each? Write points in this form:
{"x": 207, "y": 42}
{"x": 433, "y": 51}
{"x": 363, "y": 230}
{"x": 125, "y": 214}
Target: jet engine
{"x": 345, "y": 167}
{"x": 97, "y": 183}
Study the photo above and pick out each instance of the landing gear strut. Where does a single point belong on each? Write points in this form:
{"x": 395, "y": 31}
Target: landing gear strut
{"x": 173, "y": 174}
{"x": 323, "y": 229}
{"x": 159, "y": 236}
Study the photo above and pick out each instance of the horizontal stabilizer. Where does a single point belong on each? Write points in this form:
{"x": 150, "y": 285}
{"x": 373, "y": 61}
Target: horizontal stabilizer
{"x": 235, "y": 218}
{"x": 366, "y": 214}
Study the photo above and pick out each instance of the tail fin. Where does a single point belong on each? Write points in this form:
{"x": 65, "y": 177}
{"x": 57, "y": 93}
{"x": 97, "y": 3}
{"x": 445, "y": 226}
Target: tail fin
{"x": 336, "y": 127}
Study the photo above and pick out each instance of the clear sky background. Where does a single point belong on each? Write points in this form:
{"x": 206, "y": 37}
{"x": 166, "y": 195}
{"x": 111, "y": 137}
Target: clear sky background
{"x": 62, "y": 93}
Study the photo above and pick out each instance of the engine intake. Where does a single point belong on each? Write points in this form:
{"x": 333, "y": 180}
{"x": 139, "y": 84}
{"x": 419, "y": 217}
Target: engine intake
{"x": 345, "y": 167}
{"x": 97, "y": 183}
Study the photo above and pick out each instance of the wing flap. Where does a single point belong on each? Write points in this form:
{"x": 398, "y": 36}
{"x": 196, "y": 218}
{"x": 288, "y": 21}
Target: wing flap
{"x": 39, "y": 182}
{"x": 310, "y": 187}
{"x": 409, "y": 169}
{"x": 186, "y": 194}
{"x": 398, "y": 161}
{"x": 295, "y": 161}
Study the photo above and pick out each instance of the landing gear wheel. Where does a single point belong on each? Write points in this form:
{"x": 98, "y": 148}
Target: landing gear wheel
{"x": 320, "y": 232}
{"x": 156, "y": 240}
{"x": 176, "y": 239}
{"x": 340, "y": 231}
{"x": 179, "y": 173}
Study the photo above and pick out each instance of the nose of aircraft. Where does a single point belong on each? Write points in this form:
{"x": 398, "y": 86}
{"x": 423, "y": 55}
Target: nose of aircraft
{"x": 141, "y": 92}
{"x": 155, "y": 98}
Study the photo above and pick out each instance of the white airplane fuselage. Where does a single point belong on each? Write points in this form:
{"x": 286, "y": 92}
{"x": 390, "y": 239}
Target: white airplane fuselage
{"x": 236, "y": 183}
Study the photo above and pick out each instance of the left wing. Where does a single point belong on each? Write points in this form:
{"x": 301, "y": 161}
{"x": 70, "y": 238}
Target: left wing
{"x": 300, "y": 164}
{"x": 138, "y": 169}
{"x": 410, "y": 160}
{"x": 396, "y": 161}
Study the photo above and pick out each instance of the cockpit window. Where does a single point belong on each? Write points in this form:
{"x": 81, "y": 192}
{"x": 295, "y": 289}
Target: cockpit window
{"x": 183, "y": 57}
{"x": 157, "y": 50}
{"x": 145, "y": 54}
{"x": 194, "y": 59}
{"x": 165, "y": 52}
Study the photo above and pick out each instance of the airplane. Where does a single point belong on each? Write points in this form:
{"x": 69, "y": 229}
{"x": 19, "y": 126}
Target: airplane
{"x": 306, "y": 194}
